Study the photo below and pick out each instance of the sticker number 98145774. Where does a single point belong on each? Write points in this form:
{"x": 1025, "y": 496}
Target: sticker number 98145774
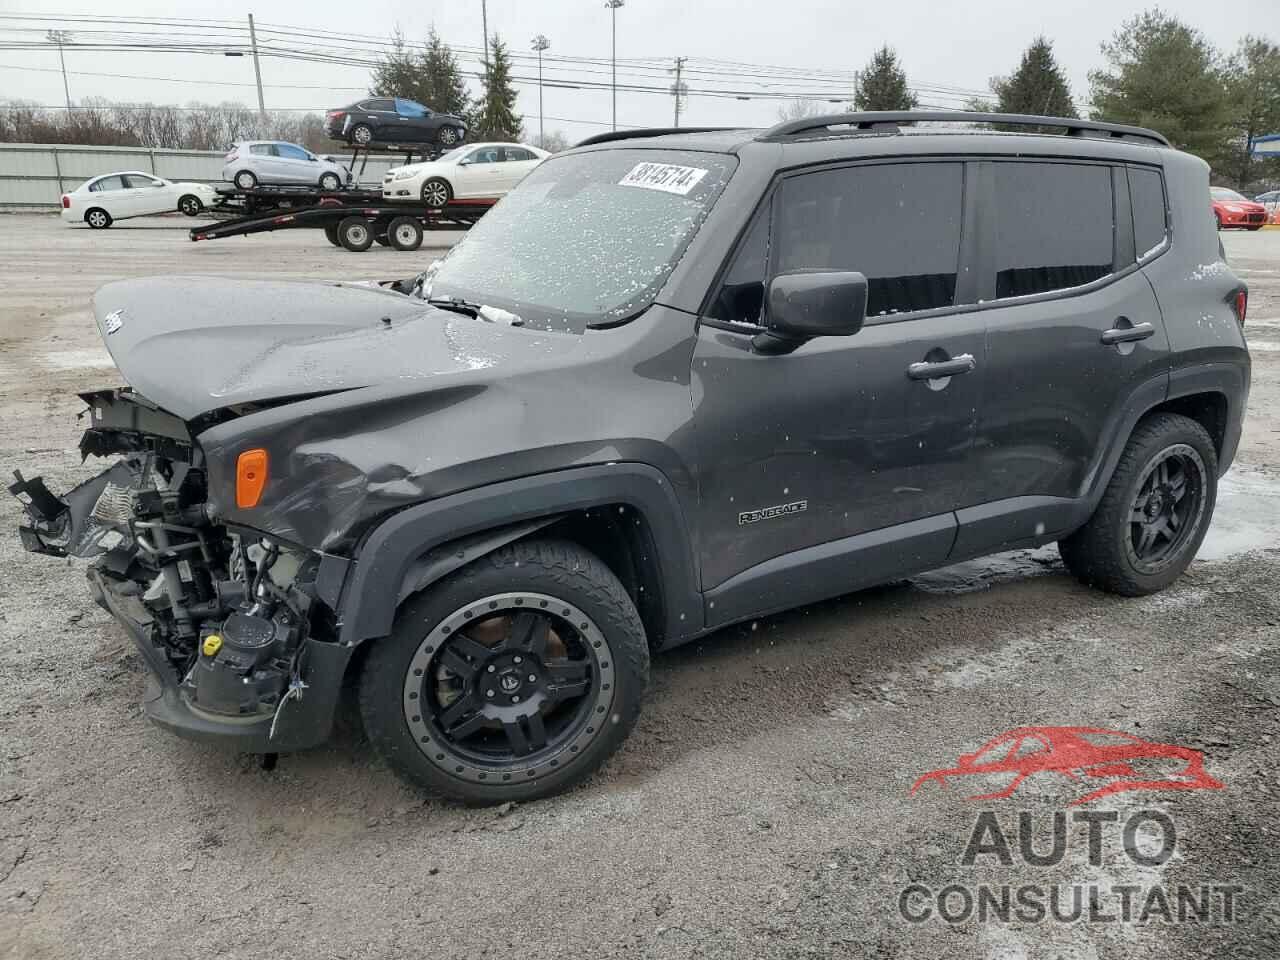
{"x": 667, "y": 177}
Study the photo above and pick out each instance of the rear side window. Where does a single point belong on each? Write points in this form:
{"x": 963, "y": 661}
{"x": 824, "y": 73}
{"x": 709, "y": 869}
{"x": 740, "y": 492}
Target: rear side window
{"x": 263, "y": 150}
{"x": 1150, "y": 226}
{"x": 1054, "y": 226}
{"x": 518, "y": 153}
{"x": 107, "y": 183}
{"x": 897, "y": 224}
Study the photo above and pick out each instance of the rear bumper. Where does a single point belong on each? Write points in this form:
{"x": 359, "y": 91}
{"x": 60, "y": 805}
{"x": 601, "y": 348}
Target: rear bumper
{"x": 305, "y": 722}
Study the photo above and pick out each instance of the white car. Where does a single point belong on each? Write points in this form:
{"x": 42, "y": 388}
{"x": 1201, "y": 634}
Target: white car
{"x": 477, "y": 171}
{"x": 114, "y": 196}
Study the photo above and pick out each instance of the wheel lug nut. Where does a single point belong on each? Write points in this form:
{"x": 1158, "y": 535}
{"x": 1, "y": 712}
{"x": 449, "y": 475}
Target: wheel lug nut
{"x": 515, "y": 699}
{"x": 488, "y": 693}
{"x": 492, "y": 668}
{"x": 515, "y": 659}
{"x": 533, "y": 678}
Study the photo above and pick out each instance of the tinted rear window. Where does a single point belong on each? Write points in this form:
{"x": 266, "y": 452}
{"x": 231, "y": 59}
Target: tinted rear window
{"x": 1054, "y": 226}
{"x": 1146, "y": 189}
{"x": 897, "y": 224}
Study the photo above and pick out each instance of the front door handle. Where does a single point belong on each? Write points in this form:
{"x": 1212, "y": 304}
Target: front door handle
{"x": 936, "y": 370}
{"x": 1139, "y": 331}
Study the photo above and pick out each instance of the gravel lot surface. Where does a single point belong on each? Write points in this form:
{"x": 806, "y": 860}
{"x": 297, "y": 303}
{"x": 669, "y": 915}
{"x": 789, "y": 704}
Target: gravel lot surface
{"x": 762, "y": 807}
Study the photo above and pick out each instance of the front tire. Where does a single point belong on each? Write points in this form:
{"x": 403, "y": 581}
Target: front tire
{"x": 436, "y": 193}
{"x": 97, "y": 218}
{"x": 331, "y": 182}
{"x": 356, "y": 234}
{"x": 448, "y": 136}
{"x": 512, "y": 679}
{"x": 190, "y": 205}
{"x": 1154, "y": 513}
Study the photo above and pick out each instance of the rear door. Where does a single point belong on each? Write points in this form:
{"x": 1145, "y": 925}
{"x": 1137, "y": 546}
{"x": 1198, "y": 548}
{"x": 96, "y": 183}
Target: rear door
{"x": 1075, "y": 330}
{"x": 516, "y": 164}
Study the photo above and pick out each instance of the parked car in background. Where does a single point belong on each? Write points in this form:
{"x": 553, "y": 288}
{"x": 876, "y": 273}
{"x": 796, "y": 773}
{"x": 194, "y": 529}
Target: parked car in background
{"x": 1232, "y": 209}
{"x": 476, "y": 171}
{"x": 393, "y": 120}
{"x": 255, "y": 162}
{"x": 114, "y": 196}
{"x": 1271, "y": 201}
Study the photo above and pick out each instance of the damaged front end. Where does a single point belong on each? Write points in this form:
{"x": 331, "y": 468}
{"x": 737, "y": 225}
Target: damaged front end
{"x": 238, "y": 642}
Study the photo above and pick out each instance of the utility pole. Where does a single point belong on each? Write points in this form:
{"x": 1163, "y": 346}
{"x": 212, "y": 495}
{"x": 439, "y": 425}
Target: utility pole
{"x": 257, "y": 70}
{"x": 60, "y": 37}
{"x": 540, "y": 43}
{"x": 484, "y": 23}
{"x": 678, "y": 88}
{"x": 613, "y": 6}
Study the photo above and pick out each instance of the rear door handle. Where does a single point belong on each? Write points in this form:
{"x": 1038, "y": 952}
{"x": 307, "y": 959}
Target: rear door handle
{"x": 936, "y": 370}
{"x": 1139, "y": 331}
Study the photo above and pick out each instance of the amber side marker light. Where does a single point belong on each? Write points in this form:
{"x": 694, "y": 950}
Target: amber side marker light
{"x": 251, "y": 477}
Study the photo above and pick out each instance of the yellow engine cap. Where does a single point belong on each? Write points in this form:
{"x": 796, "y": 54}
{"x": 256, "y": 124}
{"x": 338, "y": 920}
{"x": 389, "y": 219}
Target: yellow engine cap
{"x": 212, "y": 644}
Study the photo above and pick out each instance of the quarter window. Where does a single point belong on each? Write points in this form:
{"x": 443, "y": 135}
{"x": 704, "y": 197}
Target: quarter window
{"x": 897, "y": 224}
{"x": 1054, "y": 226}
{"x": 1146, "y": 189}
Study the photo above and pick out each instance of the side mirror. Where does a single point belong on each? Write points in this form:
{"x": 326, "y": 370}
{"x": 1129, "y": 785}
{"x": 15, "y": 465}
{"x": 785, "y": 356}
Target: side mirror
{"x": 807, "y": 304}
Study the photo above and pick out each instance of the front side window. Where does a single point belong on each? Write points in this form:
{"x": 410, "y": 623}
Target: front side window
{"x": 290, "y": 152}
{"x": 136, "y": 180}
{"x": 412, "y": 109}
{"x": 897, "y": 224}
{"x": 586, "y": 239}
{"x": 1150, "y": 227}
{"x": 484, "y": 155}
{"x": 1054, "y": 226}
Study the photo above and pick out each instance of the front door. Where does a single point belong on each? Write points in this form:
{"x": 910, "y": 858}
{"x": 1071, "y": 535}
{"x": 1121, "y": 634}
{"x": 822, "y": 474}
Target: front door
{"x": 295, "y": 164}
{"x": 841, "y": 463}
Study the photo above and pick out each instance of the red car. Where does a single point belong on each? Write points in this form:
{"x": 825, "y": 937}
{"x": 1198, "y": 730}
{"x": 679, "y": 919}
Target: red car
{"x": 1081, "y": 754}
{"x": 1231, "y": 209}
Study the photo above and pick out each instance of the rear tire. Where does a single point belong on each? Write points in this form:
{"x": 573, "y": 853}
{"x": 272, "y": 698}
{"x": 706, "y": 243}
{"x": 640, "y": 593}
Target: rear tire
{"x": 97, "y": 218}
{"x": 1154, "y": 513}
{"x": 246, "y": 180}
{"x": 549, "y": 635}
{"x": 190, "y": 205}
{"x": 331, "y": 234}
{"x": 356, "y": 234}
{"x": 405, "y": 233}
{"x": 362, "y": 134}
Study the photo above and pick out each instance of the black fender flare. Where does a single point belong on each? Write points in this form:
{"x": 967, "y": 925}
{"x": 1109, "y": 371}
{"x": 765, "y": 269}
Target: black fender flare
{"x": 397, "y": 554}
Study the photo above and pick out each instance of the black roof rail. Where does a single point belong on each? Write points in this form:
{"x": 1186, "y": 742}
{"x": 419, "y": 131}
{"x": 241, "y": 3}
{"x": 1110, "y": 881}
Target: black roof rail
{"x": 890, "y": 121}
{"x": 647, "y": 132}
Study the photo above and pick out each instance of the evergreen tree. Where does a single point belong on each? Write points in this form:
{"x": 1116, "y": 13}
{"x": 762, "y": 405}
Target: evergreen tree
{"x": 1167, "y": 76}
{"x": 445, "y": 89}
{"x": 495, "y": 117}
{"x": 399, "y": 74}
{"x": 883, "y": 85}
{"x": 1038, "y": 86}
{"x": 1253, "y": 83}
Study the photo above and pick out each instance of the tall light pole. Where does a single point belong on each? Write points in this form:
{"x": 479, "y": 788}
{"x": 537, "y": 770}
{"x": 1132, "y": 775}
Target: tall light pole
{"x": 540, "y": 43}
{"x": 257, "y": 70}
{"x": 484, "y": 25}
{"x": 60, "y": 37}
{"x": 613, "y": 6}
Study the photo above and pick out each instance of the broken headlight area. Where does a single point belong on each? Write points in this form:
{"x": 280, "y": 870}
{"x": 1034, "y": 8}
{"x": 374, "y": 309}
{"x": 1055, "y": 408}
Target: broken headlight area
{"x": 221, "y": 615}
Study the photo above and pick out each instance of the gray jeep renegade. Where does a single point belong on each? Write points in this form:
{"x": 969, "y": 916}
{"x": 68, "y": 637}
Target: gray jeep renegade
{"x": 675, "y": 380}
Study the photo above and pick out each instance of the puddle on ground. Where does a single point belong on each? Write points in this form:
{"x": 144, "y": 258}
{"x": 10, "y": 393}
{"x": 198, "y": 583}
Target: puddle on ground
{"x": 1246, "y": 519}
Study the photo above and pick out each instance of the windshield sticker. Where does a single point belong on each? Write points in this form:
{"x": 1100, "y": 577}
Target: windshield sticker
{"x": 666, "y": 177}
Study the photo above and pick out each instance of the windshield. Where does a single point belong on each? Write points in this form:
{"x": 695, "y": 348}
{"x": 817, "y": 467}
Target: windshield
{"x": 455, "y": 153}
{"x": 1222, "y": 193}
{"x": 586, "y": 239}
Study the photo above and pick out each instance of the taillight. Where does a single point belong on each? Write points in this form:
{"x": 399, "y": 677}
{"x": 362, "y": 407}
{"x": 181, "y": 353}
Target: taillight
{"x": 251, "y": 477}
{"x": 1241, "y": 304}
{"x": 230, "y": 156}
{"x": 66, "y": 202}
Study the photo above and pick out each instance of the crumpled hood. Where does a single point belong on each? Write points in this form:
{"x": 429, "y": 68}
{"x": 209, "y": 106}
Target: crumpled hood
{"x": 196, "y": 344}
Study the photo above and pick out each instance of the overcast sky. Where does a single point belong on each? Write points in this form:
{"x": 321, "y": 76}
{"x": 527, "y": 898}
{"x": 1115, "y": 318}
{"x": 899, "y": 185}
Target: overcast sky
{"x": 956, "y": 45}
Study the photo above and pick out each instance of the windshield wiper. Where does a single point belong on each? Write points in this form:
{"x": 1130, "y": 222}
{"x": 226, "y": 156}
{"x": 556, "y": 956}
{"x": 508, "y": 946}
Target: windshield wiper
{"x": 457, "y": 305}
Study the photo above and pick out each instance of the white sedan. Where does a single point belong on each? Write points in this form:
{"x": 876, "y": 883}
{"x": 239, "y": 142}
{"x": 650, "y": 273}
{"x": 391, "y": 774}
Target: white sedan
{"x": 477, "y": 171}
{"x": 114, "y": 196}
